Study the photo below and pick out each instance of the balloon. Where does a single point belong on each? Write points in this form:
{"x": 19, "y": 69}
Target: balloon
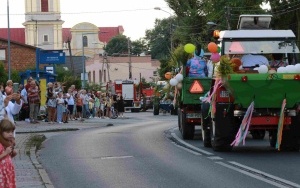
{"x": 263, "y": 69}
{"x": 189, "y": 48}
{"x": 297, "y": 67}
{"x": 173, "y": 82}
{"x": 215, "y": 57}
{"x": 281, "y": 70}
{"x": 179, "y": 85}
{"x": 179, "y": 77}
{"x": 168, "y": 75}
{"x": 290, "y": 69}
{"x": 212, "y": 47}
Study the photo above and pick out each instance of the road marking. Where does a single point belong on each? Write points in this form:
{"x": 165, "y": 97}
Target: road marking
{"x": 273, "y": 180}
{"x": 190, "y": 146}
{"x": 264, "y": 174}
{"x": 215, "y": 158}
{"x": 117, "y": 157}
{"x": 186, "y": 149}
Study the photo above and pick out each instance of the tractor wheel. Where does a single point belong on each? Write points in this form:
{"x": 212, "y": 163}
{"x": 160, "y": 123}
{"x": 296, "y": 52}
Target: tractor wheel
{"x": 205, "y": 125}
{"x": 291, "y": 136}
{"x": 223, "y": 128}
{"x": 187, "y": 130}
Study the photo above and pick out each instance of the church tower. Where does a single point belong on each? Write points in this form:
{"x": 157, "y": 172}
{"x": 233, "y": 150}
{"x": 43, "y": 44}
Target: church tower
{"x": 43, "y": 24}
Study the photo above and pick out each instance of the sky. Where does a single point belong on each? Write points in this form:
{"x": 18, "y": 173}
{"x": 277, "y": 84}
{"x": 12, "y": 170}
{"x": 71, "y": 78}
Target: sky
{"x": 135, "y": 16}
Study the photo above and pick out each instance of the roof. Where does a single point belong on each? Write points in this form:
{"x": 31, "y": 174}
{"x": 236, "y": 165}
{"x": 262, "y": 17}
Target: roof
{"x": 256, "y": 34}
{"x": 105, "y": 34}
{"x": 18, "y": 43}
{"x": 16, "y": 34}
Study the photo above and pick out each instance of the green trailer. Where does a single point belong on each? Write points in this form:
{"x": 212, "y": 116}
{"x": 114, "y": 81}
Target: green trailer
{"x": 273, "y": 98}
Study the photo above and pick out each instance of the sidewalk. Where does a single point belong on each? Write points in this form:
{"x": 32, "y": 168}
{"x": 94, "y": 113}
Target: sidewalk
{"x": 29, "y": 172}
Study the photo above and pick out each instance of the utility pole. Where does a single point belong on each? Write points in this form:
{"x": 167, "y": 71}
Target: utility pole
{"x": 227, "y": 17}
{"x": 129, "y": 56}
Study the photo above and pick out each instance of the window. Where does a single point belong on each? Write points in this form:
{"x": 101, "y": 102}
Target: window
{"x": 46, "y": 38}
{"x": 154, "y": 73}
{"x": 100, "y": 76}
{"x": 85, "y": 41}
{"x": 2, "y": 55}
{"x": 44, "y": 5}
{"x": 89, "y": 74}
{"x": 104, "y": 76}
{"x": 94, "y": 77}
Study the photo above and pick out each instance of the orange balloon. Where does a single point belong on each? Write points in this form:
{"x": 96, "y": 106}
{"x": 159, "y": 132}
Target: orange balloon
{"x": 212, "y": 47}
{"x": 168, "y": 75}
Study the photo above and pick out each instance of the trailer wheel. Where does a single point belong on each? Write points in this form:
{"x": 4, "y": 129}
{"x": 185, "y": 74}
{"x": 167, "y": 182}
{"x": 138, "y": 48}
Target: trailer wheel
{"x": 223, "y": 128}
{"x": 187, "y": 130}
{"x": 258, "y": 134}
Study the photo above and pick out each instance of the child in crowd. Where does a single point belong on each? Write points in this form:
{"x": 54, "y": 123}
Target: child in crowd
{"x": 60, "y": 103}
{"x": 7, "y": 169}
{"x": 79, "y": 104}
{"x": 102, "y": 107}
{"x": 65, "y": 109}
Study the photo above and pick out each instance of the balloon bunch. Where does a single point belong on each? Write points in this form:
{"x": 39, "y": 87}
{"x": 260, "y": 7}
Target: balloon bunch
{"x": 176, "y": 81}
{"x": 214, "y": 49}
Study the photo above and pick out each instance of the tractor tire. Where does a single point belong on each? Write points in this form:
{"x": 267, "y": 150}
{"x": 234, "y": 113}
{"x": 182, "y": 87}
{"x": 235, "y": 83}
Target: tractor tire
{"x": 273, "y": 138}
{"x": 291, "y": 136}
{"x": 205, "y": 125}
{"x": 223, "y": 127}
{"x": 187, "y": 130}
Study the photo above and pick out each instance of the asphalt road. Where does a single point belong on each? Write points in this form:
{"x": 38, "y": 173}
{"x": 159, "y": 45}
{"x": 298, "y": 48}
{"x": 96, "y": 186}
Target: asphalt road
{"x": 141, "y": 152}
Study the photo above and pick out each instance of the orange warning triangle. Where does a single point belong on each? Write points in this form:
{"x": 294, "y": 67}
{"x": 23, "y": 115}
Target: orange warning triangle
{"x": 196, "y": 87}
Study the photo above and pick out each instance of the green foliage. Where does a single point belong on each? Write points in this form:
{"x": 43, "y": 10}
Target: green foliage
{"x": 159, "y": 38}
{"x": 15, "y": 77}
{"x": 66, "y": 77}
{"x": 94, "y": 87}
{"x": 165, "y": 66}
{"x": 225, "y": 66}
{"x": 179, "y": 57}
{"x": 3, "y": 74}
{"x": 138, "y": 47}
{"x": 117, "y": 45}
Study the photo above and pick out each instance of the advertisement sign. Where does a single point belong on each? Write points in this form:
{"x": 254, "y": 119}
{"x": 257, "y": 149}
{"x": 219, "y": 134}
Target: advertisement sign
{"x": 52, "y": 57}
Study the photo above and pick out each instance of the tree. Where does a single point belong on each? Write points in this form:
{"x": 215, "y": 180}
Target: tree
{"x": 159, "y": 39}
{"x": 138, "y": 47}
{"x": 117, "y": 45}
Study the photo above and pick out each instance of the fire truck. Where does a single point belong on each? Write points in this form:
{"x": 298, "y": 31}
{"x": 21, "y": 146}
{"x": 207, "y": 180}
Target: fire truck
{"x": 130, "y": 93}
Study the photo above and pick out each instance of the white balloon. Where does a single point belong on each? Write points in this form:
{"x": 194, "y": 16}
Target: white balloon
{"x": 179, "y": 85}
{"x": 297, "y": 67}
{"x": 290, "y": 69}
{"x": 173, "y": 82}
{"x": 263, "y": 69}
{"x": 179, "y": 77}
{"x": 281, "y": 70}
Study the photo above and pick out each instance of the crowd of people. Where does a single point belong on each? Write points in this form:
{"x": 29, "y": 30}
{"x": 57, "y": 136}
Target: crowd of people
{"x": 67, "y": 104}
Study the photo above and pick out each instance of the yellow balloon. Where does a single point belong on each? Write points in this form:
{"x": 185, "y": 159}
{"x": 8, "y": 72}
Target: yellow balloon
{"x": 189, "y": 48}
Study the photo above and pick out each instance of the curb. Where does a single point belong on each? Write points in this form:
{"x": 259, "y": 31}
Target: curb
{"x": 42, "y": 172}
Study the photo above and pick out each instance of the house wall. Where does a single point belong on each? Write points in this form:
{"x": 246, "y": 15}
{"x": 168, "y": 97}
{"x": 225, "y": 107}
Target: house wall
{"x": 22, "y": 56}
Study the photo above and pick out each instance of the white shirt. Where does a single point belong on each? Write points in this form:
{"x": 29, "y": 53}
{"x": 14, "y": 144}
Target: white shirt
{"x": 251, "y": 60}
{"x": 24, "y": 95}
{"x": 11, "y": 109}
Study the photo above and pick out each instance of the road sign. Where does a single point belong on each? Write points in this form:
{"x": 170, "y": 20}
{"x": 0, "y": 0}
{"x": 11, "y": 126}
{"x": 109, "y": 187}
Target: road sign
{"x": 52, "y": 57}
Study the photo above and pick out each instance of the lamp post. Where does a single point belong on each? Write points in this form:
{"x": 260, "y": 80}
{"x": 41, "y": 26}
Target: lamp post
{"x": 8, "y": 41}
{"x": 171, "y": 42}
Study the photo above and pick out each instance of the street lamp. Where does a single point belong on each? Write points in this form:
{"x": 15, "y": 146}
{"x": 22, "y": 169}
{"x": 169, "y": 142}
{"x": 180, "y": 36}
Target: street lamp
{"x": 8, "y": 40}
{"x": 171, "y": 42}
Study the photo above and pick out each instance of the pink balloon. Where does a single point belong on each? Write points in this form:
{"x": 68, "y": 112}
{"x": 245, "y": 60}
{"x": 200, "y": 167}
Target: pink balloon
{"x": 215, "y": 57}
